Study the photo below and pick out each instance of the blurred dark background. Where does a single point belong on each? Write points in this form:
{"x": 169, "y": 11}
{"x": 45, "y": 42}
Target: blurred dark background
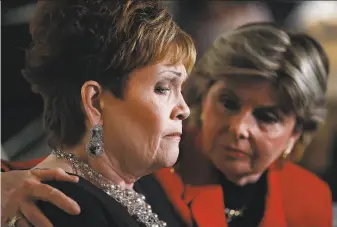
{"x": 22, "y": 135}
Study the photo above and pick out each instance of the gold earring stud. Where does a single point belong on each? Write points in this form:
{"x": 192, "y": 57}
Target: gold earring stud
{"x": 285, "y": 155}
{"x": 202, "y": 116}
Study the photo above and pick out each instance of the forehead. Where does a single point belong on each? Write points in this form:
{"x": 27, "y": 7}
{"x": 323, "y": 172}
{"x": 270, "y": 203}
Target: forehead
{"x": 249, "y": 89}
{"x": 152, "y": 71}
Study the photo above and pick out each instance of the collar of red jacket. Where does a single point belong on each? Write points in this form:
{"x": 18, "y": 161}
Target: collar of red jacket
{"x": 205, "y": 204}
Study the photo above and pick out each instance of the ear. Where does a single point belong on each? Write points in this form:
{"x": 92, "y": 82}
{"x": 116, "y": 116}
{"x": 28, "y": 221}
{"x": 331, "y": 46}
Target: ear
{"x": 296, "y": 135}
{"x": 91, "y": 93}
{"x": 292, "y": 141}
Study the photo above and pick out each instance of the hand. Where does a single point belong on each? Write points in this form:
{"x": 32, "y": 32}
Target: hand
{"x": 19, "y": 190}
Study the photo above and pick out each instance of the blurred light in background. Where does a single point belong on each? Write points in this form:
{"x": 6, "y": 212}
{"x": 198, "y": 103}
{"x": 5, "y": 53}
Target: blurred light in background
{"x": 20, "y": 15}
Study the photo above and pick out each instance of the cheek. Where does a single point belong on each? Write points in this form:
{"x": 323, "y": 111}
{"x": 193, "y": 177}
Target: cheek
{"x": 137, "y": 125}
{"x": 211, "y": 126}
{"x": 146, "y": 118}
{"x": 270, "y": 143}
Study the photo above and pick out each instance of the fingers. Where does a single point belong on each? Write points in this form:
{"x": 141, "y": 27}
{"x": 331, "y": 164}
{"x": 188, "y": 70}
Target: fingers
{"x": 53, "y": 174}
{"x": 34, "y": 215}
{"x": 47, "y": 193}
{"x": 23, "y": 223}
{"x": 11, "y": 210}
{"x": 39, "y": 191}
{"x": 21, "y": 200}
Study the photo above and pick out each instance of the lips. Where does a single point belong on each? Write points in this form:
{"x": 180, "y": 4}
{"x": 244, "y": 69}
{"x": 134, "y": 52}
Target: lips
{"x": 174, "y": 135}
{"x": 237, "y": 151}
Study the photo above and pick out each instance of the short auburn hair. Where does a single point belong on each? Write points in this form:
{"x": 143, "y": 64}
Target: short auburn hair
{"x": 74, "y": 41}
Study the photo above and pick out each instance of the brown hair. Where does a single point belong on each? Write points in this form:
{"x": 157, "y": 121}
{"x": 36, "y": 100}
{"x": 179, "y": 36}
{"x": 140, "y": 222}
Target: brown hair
{"x": 103, "y": 40}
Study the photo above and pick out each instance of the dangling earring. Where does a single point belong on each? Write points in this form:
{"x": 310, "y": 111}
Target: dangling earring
{"x": 287, "y": 152}
{"x": 201, "y": 116}
{"x": 285, "y": 155}
{"x": 95, "y": 146}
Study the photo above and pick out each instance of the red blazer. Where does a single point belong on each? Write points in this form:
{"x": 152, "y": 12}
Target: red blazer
{"x": 296, "y": 198}
{"x": 19, "y": 165}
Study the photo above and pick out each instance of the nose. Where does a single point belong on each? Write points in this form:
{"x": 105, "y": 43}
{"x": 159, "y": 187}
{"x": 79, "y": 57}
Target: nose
{"x": 181, "y": 111}
{"x": 240, "y": 125}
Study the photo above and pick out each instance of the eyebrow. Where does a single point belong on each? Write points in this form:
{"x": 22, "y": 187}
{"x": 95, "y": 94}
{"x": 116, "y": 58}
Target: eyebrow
{"x": 274, "y": 108}
{"x": 178, "y": 74}
{"x": 229, "y": 92}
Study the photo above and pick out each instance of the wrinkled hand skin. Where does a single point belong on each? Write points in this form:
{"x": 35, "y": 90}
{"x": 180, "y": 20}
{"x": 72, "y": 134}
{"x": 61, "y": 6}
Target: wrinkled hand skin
{"x": 10, "y": 181}
{"x": 21, "y": 188}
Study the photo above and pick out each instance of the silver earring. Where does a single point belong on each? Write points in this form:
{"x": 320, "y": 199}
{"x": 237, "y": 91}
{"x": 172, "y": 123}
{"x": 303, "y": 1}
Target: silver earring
{"x": 95, "y": 146}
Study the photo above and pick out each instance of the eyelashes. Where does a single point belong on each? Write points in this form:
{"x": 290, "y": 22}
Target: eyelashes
{"x": 162, "y": 90}
{"x": 264, "y": 115}
{"x": 229, "y": 103}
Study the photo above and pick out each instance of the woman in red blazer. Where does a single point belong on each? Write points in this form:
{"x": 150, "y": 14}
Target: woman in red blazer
{"x": 257, "y": 97}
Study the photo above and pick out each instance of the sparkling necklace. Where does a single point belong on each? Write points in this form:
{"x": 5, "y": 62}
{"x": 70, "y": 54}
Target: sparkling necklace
{"x": 131, "y": 200}
{"x": 232, "y": 214}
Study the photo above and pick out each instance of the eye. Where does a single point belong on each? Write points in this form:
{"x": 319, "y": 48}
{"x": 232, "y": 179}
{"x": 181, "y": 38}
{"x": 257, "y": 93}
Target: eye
{"x": 229, "y": 103}
{"x": 162, "y": 90}
{"x": 268, "y": 117}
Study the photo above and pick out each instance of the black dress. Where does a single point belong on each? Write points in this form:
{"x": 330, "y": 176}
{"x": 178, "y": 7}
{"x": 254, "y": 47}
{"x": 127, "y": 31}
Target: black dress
{"x": 99, "y": 209}
{"x": 250, "y": 196}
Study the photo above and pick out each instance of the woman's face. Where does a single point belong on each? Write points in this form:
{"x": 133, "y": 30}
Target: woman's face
{"x": 243, "y": 130}
{"x": 143, "y": 129}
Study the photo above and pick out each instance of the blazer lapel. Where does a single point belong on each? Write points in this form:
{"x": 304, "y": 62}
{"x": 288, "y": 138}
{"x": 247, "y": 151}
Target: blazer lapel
{"x": 274, "y": 214}
{"x": 207, "y": 205}
{"x": 174, "y": 189}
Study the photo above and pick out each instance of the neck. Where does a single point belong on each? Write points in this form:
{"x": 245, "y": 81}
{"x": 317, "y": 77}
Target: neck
{"x": 106, "y": 164}
{"x": 238, "y": 196}
{"x": 109, "y": 166}
{"x": 244, "y": 180}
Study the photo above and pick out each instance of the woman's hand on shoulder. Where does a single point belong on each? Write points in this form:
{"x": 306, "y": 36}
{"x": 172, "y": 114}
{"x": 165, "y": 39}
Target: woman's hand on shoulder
{"x": 20, "y": 189}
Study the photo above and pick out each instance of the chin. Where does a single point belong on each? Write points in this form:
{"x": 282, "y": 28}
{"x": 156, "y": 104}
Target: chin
{"x": 169, "y": 159}
{"x": 233, "y": 168}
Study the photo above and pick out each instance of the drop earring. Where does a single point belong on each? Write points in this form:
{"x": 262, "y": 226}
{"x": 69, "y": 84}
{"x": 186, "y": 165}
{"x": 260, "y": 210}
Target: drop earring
{"x": 95, "y": 146}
